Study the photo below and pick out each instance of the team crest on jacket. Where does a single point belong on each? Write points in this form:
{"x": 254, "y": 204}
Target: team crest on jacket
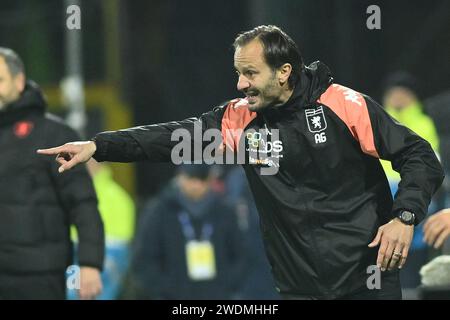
{"x": 316, "y": 119}
{"x": 23, "y": 128}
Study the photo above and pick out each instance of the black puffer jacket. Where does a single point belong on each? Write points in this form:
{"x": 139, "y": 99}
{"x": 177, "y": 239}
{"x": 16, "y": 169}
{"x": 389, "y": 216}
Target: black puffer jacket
{"x": 37, "y": 205}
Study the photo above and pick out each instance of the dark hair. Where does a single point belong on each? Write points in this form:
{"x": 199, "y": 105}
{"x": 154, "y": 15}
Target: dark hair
{"x": 13, "y": 61}
{"x": 199, "y": 171}
{"x": 278, "y": 48}
{"x": 402, "y": 79}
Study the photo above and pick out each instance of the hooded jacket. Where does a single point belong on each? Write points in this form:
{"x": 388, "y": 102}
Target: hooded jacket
{"x": 37, "y": 205}
{"x": 328, "y": 196}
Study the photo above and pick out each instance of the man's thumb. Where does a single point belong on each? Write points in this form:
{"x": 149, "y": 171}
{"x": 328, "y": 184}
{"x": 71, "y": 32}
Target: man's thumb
{"x": 376, "y": 241}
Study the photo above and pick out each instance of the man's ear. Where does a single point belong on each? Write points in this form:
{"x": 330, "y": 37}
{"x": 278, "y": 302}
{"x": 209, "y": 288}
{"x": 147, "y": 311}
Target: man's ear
{"x": 19, "y": 81}
{"x": 284, "y": 72}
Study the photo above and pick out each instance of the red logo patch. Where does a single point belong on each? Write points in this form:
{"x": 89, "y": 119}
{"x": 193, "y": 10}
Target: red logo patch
{"x": 23, "y": 128}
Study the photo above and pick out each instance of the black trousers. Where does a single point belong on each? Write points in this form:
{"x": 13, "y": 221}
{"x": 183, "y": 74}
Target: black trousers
{"x": 33, "y": 286}
{"x": 390, "y": 290}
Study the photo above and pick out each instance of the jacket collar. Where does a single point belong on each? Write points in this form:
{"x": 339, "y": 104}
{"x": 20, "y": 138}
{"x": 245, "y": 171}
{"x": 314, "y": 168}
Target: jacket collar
{"x": 31, "y": 101}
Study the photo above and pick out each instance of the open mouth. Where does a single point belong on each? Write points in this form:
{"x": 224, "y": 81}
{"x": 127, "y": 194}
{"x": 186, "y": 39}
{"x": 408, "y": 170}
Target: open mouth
{"x": 251, "y": 97}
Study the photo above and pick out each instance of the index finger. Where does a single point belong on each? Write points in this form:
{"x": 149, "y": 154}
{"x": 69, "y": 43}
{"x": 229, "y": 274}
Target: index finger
{"x": 381, "y": 254}
{"x": 54, "y": 150}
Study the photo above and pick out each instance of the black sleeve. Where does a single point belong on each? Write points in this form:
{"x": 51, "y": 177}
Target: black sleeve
{"x": 151, "y": 142}
{"x": 411, "y": 156}
{"x": 78, "y": 198}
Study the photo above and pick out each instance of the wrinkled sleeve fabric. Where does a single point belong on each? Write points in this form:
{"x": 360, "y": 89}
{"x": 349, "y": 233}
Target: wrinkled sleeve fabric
{"x": 382, "y": 137}
{"x": 420, "y": 170}
{"x": 154, "y": 142}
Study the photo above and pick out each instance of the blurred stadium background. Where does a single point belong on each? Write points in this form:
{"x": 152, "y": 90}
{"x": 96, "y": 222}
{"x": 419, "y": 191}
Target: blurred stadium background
{"x": 152, "y": 61}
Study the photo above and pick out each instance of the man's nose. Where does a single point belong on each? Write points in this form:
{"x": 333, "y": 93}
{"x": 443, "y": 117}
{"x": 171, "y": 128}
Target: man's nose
{"x": 243, "y": 83}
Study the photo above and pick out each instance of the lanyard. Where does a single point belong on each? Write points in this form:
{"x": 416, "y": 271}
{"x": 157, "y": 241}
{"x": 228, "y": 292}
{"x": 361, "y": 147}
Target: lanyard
{"x": 188, "y": 229}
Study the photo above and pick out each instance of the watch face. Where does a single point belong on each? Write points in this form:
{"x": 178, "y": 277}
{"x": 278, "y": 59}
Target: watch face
{"x": 407, "y": 216}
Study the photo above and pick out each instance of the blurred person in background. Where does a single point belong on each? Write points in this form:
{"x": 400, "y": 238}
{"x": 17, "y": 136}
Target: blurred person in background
{"x": 117, "y": 210}
{"x": 401, "y": 100}
{"x": 436, "y": 273}
{"x": 437, "y": 228}
{"x": 188, "y": 244}
{"x": 326, "y": 210}
{"x": 438, "y": 107}
{"x": 37, "y": 206}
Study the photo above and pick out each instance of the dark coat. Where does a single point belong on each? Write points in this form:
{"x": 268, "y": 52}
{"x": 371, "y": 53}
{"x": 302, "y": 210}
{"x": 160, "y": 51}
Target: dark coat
{"x": 160, "y": 260}
{"x": 37, "y": 204}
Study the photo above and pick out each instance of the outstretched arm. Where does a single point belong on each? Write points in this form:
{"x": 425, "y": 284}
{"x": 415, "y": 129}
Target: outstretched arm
{"x": 151, "y": 142}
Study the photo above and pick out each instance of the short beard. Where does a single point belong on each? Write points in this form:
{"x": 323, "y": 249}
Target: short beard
{"x": 269, "y": 88}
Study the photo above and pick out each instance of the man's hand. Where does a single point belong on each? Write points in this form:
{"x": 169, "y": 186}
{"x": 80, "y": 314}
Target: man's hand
{"x": 71, "y": 154}
{"x": 395, "y": 238}
{"x": 437, "y": 228}
{"x": 90, "y": 283}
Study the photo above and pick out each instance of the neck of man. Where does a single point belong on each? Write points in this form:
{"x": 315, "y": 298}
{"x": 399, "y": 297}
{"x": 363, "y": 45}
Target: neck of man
{"x": 285, "y": 96}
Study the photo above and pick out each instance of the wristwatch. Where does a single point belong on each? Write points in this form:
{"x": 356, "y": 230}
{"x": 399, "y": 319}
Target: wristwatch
{"x": 407, "y": 217}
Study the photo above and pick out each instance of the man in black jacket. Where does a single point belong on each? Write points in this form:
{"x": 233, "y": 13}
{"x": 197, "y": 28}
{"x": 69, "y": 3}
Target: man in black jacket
{"x": 37, "y": 206}
{"x": 311, "y": 151}
{"x": 188, "y": 244}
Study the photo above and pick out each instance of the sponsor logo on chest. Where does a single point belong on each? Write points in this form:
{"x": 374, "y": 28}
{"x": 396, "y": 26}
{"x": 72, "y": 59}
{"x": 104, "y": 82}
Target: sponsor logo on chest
{"x": 264, "y": 146}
